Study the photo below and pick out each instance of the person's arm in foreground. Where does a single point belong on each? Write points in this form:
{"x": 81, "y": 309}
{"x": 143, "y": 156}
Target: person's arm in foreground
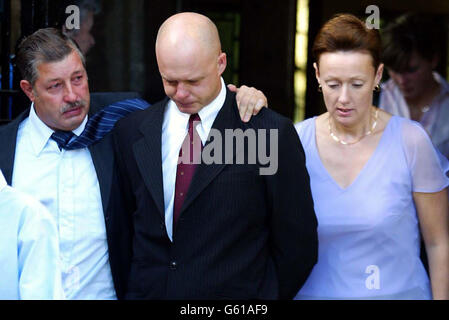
{"x": 294, "y": 236}
{"x": 38, "y": 255}
{"x": 434, "y": 222}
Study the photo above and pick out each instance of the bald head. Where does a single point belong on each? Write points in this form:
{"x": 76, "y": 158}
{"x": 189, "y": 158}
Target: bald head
{"x": 190, "y": 60}
{"x": 189, "y": 31}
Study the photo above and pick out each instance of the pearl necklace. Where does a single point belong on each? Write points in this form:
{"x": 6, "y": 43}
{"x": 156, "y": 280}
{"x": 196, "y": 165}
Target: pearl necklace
{"x": 337, "y": 139}
{"x": 425, "y": 109}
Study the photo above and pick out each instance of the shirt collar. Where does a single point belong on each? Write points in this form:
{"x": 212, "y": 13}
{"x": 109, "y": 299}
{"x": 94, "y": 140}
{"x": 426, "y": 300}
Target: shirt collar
{"x": 207, "y": 114}
{"x": 40, "y": 132}
{"x": 2, "y": 181}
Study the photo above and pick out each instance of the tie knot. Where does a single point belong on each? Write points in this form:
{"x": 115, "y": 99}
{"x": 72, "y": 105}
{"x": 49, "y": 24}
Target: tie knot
{"x": 62, "y": 138}
{"x": 194, "y": 118}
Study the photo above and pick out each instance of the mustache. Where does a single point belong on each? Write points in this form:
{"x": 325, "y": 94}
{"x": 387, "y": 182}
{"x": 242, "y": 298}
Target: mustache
{"x": 73, "y": 105}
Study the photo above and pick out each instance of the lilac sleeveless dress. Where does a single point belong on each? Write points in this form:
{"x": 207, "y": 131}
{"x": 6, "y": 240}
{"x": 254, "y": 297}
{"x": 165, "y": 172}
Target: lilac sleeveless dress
{"x": 369, "y": 239}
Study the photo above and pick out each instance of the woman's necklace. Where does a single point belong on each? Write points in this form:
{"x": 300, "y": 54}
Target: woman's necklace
{"x": 337, "y": 139}
{"x": 425, "y": 109}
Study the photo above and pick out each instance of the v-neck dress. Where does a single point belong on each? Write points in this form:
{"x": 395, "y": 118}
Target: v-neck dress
{"x": 369, "y": 239}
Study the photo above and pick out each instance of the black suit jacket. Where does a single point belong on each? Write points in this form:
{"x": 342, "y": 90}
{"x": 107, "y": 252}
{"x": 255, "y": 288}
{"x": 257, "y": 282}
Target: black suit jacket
{"x": 104, "y": 162}
{"x": 240, "y": 235}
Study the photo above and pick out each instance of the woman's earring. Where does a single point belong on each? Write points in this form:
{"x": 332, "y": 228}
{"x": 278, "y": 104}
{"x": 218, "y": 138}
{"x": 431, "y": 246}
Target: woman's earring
{"x": 377, "y": 88}
{"x": 319, "y": 88}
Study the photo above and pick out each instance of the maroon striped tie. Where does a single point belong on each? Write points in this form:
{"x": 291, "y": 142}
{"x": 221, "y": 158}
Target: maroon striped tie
{"x": 189, "y": 157}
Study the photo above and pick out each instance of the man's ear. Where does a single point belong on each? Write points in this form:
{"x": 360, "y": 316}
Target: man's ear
{"x": 27, "y": 88}
{"x": 221, "y": 63}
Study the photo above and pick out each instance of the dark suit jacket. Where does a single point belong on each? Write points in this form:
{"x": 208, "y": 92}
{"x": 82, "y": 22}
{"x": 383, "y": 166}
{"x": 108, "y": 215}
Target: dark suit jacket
{"x": 103, "y": 159}
{"x": 240, "y": 235}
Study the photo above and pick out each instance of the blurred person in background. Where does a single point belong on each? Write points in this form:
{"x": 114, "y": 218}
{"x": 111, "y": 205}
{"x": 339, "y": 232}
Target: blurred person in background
{"x": 411, "y": 52}
{"x": 83, "y": 36}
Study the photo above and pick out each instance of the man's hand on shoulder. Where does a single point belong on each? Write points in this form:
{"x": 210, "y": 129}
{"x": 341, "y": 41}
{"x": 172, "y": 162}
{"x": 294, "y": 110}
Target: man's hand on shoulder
{"x": 249, "y": 101}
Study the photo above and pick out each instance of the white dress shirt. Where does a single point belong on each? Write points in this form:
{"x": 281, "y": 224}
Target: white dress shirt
{"x": 66, "y": 183}
{"x": 29, "y": 253}
{"x": 434, "y": 120}
{"x": 174, "y": 130}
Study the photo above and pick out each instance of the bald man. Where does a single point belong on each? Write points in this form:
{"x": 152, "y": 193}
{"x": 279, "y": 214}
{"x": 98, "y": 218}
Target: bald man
{"x": 203, "y": 224}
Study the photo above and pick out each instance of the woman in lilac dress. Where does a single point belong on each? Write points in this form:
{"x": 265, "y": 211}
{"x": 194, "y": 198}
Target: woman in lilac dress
{"x": 376, "y": 179}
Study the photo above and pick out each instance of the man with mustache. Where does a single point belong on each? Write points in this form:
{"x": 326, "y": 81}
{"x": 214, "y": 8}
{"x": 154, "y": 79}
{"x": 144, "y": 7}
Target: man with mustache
{"x": 74, "y": 185}
{"x": 78, "y": 186}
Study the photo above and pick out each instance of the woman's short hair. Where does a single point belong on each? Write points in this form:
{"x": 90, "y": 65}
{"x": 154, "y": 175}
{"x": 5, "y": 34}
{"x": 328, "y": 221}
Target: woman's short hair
{"x": 346, "y": 32}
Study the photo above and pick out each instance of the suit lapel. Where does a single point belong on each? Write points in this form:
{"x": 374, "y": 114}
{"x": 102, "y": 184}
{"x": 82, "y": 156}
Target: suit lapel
{"x": 204, "y": 174}
{"x": 8, "y": 141}
{"x": 148, "y": 153}
{"x": 103, "y": 160}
